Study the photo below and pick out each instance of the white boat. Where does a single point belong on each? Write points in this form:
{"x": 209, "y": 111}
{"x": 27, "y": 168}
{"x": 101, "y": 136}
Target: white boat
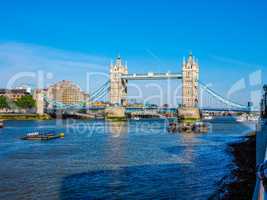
{"x": 33, "y": 134}
{"x": 136, "y": 118}
{"x": 240, "y": 119}
{"x": 247, "y": 118}
{"x": 208, "y": 117}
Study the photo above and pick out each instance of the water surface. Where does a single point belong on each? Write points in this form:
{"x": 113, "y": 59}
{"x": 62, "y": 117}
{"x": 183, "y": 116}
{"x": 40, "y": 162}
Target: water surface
{"x": 100, "y": 160}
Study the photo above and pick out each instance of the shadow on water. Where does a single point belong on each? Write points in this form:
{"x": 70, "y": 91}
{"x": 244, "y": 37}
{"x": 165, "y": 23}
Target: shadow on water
{"x": 137, "y": 182}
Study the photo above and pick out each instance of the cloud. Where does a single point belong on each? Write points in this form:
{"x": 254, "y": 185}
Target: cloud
{"x": 232, "y": 62}
{"x": 22, "y": 57}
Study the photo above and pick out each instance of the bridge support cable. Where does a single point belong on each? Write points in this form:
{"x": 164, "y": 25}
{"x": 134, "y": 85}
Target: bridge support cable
{"x": 221, "y": 98}
{"x": 100, "y": 94}
{"x": 96, "y": 96}
{"x": 99, "y": 90}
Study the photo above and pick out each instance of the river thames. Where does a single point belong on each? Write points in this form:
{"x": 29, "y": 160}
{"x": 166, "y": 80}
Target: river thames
{"x": 115, "y": 160}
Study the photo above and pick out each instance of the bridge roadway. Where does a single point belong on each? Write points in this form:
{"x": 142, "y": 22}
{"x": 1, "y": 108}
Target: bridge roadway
{"x": 152, "y": 76}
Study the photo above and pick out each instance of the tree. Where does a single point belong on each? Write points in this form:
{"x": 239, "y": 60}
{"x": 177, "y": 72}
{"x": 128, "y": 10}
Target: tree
{"x": 3, "y": 102}
{"x": 26, "y": 102}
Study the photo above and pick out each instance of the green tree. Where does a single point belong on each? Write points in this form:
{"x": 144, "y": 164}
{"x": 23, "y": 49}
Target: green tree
{"x": 26, "y": 102}
{"x": 3, "y": 102}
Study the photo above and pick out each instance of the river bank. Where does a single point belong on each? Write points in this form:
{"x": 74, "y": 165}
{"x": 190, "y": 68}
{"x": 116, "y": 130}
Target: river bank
{"x": 241, "y": 182}
{"x": 24, "y": 117}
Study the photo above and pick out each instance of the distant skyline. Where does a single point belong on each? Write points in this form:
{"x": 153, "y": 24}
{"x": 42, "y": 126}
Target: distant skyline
{"x": 71, "y": 38}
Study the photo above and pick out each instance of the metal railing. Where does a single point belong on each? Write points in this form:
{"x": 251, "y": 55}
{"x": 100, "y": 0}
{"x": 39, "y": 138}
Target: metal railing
{"x": 260, "y": 192}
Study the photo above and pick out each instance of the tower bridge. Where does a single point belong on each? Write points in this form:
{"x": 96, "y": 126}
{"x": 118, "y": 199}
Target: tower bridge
{"x": 116, "y": 88}
{"x": 119, "y": 78}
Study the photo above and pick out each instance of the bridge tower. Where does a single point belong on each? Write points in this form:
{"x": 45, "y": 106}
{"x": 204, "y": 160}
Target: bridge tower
{"x": 190, "y": 73}
{"x": 190, "y": 82}
{"x": 118, "y": 86}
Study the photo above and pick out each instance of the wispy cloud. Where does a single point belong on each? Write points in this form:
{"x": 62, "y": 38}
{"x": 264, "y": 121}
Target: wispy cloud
{"x": 21, "y": 57}
{"x": 232, "y": 61}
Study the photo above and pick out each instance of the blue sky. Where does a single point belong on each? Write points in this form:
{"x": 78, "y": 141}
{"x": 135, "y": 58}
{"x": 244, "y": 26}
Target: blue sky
{"x": 69, "y": 38}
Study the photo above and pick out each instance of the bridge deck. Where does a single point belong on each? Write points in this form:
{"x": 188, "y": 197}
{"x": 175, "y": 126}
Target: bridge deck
{"x": 152, "y": 76}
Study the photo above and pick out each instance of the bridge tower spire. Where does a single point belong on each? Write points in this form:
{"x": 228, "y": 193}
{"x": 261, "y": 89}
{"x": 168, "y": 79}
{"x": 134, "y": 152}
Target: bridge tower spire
{"x": 118, "y": 86}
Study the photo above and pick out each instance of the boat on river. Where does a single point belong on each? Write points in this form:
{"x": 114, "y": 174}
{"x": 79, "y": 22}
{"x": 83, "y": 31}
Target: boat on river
{"x": 173, "y": 127}
{"x": 42, "y": 136}
{"x": 136, "y": 118}
{"x": 247, "y": 118}
{"x": 208, "y": 117}
{"x": 200, "y": 127}
{"x": 183, "y": 127}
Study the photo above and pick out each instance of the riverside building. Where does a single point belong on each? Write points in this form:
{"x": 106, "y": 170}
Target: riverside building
{"x": 13, "y": 94}
{"x": 66, "y": 92}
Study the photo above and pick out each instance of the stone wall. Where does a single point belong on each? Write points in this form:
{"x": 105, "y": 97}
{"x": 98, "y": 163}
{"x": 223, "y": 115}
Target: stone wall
{"x": 188, "y": 113}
